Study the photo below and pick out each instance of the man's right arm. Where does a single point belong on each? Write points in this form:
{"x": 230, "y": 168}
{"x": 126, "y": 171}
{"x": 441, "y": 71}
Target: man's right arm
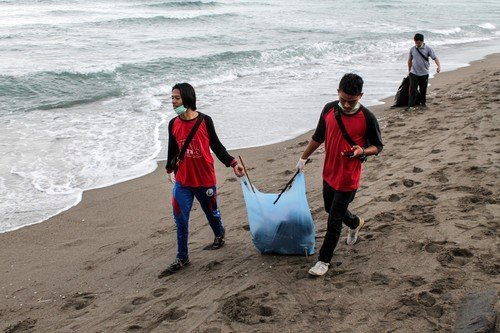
{"x": 316, "y": 140}
{"x": 311, "y": 148}
{"x": 410, "y": 63}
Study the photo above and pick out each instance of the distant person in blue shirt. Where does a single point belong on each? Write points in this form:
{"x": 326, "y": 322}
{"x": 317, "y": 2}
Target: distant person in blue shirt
{"x": 418, "y": 66}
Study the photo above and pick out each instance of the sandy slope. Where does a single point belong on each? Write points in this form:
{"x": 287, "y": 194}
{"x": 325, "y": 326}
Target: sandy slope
{"x": 430, "y": 201}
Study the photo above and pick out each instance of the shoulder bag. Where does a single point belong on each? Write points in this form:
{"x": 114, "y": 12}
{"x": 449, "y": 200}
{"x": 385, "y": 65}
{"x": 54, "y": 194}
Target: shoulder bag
{"x": 177, "y": 158}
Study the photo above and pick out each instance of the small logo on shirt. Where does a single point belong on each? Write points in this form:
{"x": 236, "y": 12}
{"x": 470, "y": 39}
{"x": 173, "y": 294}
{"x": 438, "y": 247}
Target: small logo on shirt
{"x": 210, "y": 192}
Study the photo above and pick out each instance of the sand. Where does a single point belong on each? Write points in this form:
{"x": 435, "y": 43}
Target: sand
{"x": 430, "y": 202}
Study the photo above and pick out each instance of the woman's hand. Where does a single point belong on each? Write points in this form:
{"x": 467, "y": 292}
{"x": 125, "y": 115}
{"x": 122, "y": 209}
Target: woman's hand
{"x": 171, "y": 177}
{"x": 238, "y": 170}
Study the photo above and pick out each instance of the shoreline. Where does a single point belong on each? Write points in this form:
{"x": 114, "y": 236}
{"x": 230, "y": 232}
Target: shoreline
{"x": 431, "y": 220}
{"x": 383, "y": 103}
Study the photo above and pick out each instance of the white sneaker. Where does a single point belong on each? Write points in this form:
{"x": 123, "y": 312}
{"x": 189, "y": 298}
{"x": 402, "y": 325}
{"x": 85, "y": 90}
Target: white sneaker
{"x": 320, "y": 268}
{"x": 352, "y": 235}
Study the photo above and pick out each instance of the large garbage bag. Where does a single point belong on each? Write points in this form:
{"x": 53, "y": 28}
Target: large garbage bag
{"x": 402, "y": 96}
{"x": 403, "y": 93}
{"x": 286, "y": 227}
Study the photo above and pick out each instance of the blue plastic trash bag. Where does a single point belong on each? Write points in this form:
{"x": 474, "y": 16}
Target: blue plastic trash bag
{"x": 285, "y": 227}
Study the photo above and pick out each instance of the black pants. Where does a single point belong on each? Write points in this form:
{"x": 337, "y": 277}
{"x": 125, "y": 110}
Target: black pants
{"x": 336, "y": 204}
{"x": 420, "y": 83}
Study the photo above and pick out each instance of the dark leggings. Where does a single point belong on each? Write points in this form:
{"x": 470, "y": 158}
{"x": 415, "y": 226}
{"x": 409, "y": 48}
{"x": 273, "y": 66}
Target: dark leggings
{"x": 336, "y": 204}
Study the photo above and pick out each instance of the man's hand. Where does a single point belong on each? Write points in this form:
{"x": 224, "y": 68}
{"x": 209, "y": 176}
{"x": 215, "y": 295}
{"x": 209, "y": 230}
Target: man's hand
{"x": 355, "y": 151}
{"x": 300, "y": 164}
{"x": 171, "y": 177}
{"x": 239, "y": 170}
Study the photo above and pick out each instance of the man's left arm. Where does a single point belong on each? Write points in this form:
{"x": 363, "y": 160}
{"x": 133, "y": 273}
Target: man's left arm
{"x": 438, "y": 65}
{"x": 373, "y": 137}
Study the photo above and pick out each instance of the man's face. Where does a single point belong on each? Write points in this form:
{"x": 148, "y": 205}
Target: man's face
{"x": 419, "y": 43}
{"x": 176, "y": 98}
{"x": 348, "y": 101}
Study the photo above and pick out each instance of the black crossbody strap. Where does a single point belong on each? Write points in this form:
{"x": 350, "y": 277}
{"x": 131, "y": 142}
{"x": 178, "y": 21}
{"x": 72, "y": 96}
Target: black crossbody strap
{"x": 426, "y": 59}
{"x": 201, "y": 116}
{"x": 346, "y": 136}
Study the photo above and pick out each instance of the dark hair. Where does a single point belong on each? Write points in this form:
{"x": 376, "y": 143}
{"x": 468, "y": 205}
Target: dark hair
{"x": 351, "y": 84}
{"x": 419, "y": 37}
{"x": 187, "y": 94}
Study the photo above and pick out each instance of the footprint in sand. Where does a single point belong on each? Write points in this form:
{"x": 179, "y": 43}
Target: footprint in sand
{"x": 439, "y": 176}
{"x": 426, "y": 299}
{"x": 135, "y": 328}
{"x": 26, "y": 325}
{"x": 211, "y": 266}
{"x": 441, "y": 286}
{"x": 434, "y": 246}
{"x": 418, "y": 210}
{"x": 470, "y": 203}
{"x": 382, "y": 227}
{"x": 287, "y": 173}
{"x": 159, "y": 292}
{"x": 139, "y": 300}
{"x": 454, "y": 257}
{"x": 368, "y": 236}
{"x": 302, "y": 143}
{"x": 428, "y": 195}
{"x": 410, "y": 182}
{"x": 125, "y": 247}
{"x": 384, "y": 217}
{"x": 489, "y": 264}
{"x": 379, "y": 279}
{"x": 420, "y": 305}
{"x": 247, "y": 309}
{"x": 414, "y": 281}
{"x": 79, "y": 301}
{"x": 428, "y": 219}
{"x": 394, "y": 198}
{"x": 173, "y": 314}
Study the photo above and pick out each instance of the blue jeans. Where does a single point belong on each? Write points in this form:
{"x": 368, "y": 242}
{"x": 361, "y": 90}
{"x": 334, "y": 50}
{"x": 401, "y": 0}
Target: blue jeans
{"x": 182, "y": 202}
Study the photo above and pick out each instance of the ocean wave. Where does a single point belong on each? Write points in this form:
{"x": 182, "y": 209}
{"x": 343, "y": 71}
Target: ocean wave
{"x": 64, "y": 12}
{"x": 487, "y": 26}
{"x": 184, "y": 4}
{"x": 471, "y": 30}
{"x": 448, "y": 32}
{"x": 160, "y": 19}
{"x": 51, "y": 90}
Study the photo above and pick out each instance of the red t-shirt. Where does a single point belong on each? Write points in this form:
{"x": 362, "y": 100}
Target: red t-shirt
{"x": 340, "y": 172}
{"x": 197, "y": 166}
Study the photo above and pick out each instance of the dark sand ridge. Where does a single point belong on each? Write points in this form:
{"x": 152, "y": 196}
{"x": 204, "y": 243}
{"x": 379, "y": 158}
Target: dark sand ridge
{"x": 430, "y": 201}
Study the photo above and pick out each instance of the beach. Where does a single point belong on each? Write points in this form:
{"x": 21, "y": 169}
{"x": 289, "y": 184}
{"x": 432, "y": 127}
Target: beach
{"x": 430, "y": 202}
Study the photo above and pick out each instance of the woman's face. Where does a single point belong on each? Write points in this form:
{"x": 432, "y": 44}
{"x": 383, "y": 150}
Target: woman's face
{"x": 176, "y": 98}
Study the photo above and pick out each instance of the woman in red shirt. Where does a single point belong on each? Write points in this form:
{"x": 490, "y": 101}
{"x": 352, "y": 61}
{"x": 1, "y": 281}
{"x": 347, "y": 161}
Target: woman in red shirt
{"x": 195, "y": 174}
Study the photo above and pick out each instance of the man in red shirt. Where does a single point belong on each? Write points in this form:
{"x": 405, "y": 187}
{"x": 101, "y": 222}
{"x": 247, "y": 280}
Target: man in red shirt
{"x": 194, "y": 174}
{"x": 350, "y": 133}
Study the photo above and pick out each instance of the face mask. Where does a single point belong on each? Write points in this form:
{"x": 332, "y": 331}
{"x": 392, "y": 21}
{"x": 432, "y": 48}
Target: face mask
{"x": 180, "y": 110}
{"x": 354, "y": 109}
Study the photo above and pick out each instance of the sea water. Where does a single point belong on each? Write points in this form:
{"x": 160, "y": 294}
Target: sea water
{"x": 85, "y": 85}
